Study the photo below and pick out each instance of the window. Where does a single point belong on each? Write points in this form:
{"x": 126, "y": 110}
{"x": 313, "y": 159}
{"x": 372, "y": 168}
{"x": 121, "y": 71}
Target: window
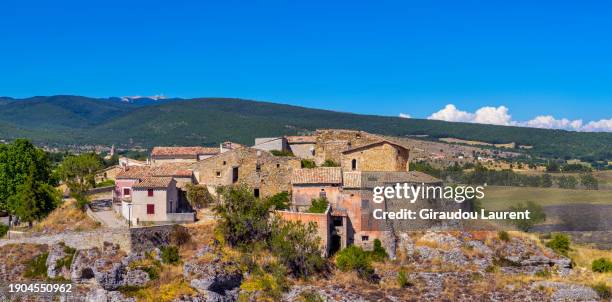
{"x": 256, "y": 193}
{"x": 218, "y": 173}
{"x": 365, "y": 238}
{"x": 150, "y": 209}
{"x": 278, "y": 165}
{"x": 126, "y": 191}
{"x": 354, "y": 164}
{"x": 258, "y": 168}
{"x": 322, "y": 194}
{"x": 337, "y": 221}
{"x": 224, "y": 163}
{"x": 150, "y": 192}
{"x": 234, "y": 174}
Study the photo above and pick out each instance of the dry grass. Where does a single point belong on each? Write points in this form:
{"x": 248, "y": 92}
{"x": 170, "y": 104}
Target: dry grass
{"x": 15, "y": 258}
{"x": 167, "y": 287}
{"x": 66, "y": 218}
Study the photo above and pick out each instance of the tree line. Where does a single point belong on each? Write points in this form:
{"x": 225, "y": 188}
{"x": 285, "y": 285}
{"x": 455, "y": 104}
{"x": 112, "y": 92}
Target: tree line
{"x": 478, "y": 174}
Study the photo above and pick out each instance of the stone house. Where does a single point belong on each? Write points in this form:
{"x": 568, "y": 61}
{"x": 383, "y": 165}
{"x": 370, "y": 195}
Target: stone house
{"x": 109, "y": 173}
{"x": 302, "y": 146}
{"x": 265, "y": 173}
{"x": 382, "y": 155}
{"x": 164, "y": 155}
{"x": 271, "y": 143}
{"x": 309, "y": 184}
{"x": 154, "y": 200}
{"x": 330, "y": 143}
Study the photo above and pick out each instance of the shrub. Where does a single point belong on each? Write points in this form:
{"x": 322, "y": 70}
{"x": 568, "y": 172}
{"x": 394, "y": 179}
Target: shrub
{"x": 81, "y": 201}
{"x": 318, "y": 205}
{"x": 37, "y": 267}
{"x": 544, "y": 273}
{"x": 354, "y": 258}
{"x": 308, "y": 164}
{"x": 503, "y": 235}
{"x": 198, "y": 196}
{"x": 603, "y": 290}
{"x": 330, "y": 163}
{"x": 243, "y": 219}
{"x": 270, "y": 282}
{"x": 105, "y": 183}
{"x": 279, "y": 201}
{"x": 3, "y": 229}
{"x": 601, "y": 265}
{"x": 560, "y": 243}
{"x": 310, "y": 296}
{"x": 379, "y": 253}
{"x": 281, "y": 153}
{"x": 402, "y": 280}
{"x": 297, "y": 246}
{"x": 170, "y": 254}
{"x": 179, "y": 235}
{"x": 536, "y": 211}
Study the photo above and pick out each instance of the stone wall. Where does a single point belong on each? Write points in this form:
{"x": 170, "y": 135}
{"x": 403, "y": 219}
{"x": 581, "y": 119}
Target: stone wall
{"x": 383, "y": 157}
{"x": 331, "y": 143}
{"x": 256, "y": 168}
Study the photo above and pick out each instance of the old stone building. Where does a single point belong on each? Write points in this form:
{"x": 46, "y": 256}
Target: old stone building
{"x": 309, "y": 184}
{"x": 302, "y": 146}
{"x": 330, "y": 143}
{"x": 381, "y": 155}
{"x": 265, "y": 173}
{"x": 165, "y": 155}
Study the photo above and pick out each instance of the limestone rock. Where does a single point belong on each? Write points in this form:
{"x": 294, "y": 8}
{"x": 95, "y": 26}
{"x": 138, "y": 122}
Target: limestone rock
{"x": 136, "y": 278}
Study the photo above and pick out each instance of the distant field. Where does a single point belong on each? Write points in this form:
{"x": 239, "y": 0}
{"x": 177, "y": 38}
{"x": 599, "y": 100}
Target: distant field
{"x": 604, "y": 177}
{"x": 499, "y": 198}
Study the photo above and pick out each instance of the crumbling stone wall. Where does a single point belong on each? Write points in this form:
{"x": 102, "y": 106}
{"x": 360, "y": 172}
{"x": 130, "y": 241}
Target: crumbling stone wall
{"x": 331, "y": 143}
{"x": 323, "y": 221}
{"x": 256, "y": 168}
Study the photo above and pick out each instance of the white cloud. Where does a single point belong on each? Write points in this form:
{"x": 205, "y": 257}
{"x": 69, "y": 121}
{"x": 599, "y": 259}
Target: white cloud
{"x": 550, "y": 122}
{"x": 405, "y": 115}
{"x": 450, "y": 113}
{"x": 599, "y": 126}
{"x": 492, "y": 115}
{"x": 501, "y": 116}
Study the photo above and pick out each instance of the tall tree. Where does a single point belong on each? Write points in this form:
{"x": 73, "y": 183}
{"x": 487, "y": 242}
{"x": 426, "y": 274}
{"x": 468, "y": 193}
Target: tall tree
{"x": 18, "y": 160}
{"x": 78, "y": 172}
{"x": 34, "y": 199}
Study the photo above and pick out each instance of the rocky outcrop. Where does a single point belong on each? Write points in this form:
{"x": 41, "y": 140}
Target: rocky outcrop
{"x": 136, "y": 277}
{"x": 55, "y": 261}
{"x": 102, "y": 295}
{"x": 567, "y": 291}
{"x": 82, "y": 268}
{"x": 112, "y": 278}
{"x": 216, "y": 278}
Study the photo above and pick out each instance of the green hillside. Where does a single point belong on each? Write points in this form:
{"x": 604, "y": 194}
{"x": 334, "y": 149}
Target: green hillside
{"x": 208, "y": 121}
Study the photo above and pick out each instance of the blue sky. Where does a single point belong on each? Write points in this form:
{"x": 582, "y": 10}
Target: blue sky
{"x": 375, "y": 57}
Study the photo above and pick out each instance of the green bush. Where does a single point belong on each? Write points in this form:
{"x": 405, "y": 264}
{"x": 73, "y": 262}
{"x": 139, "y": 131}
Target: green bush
{"x": 37, "y": 267}
{"x": 170, "y": 254}
{"x": 402, "y": 280}
{"x": 279, "y": 201}
{"x": 603, "y": 290}
{"x": 559, "y": 243}
{"x": 198, "y": 196}
{"x": 243, "y": 219}
{"x": 536, "y": 216}
{"x": 601, "y": 265}
{"x": 318, "y": 205}
{"x": 330, "y": 163}
{"x": 308, "y": 164}
{"x": 297, "y": 246}
{"x": 503, "y": 235}
{"x": 281, "y": 153}
{"x": 354, "y": 258}
{"x": 379, "y": 253}
{"x": 179, "y": 235}
{"x": 105, "y": 183}
{"x": 3, "y": 229}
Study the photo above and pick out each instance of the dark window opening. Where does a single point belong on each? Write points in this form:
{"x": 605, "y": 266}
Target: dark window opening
{"x": 278, "y": 165}
{"x": 338, "y": 221}
{"x": 234, "y": 174}
{"x": 150, "y": 209}
{"x": 218, "y": 173}
{"x": 354, "y": 164}
{"x": 258, "y": 168}
{"x": 224, "y": 163}
{"x": 126, "y": 192}
{"x": 365, "y": 238}
{"x": 150, "y": 192}
{"x": 256, "y": 193}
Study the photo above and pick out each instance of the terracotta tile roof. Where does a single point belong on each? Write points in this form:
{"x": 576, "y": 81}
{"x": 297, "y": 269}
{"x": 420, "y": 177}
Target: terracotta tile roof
{"x": 154, "y": 182}
{"x": 183, "y": 151}
{"x": 134, "y": 172}
{"x": 352, "y": 179}
{"x": 301, "y": 139}
{"x": 172, "y": 169}
{"x": 366, "y": 146}
{"x": 331, "y": 175}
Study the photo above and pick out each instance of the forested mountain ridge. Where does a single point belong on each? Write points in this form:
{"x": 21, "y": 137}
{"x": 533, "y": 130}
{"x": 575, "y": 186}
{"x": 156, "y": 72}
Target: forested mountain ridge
{"x": 62, "y": 120}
